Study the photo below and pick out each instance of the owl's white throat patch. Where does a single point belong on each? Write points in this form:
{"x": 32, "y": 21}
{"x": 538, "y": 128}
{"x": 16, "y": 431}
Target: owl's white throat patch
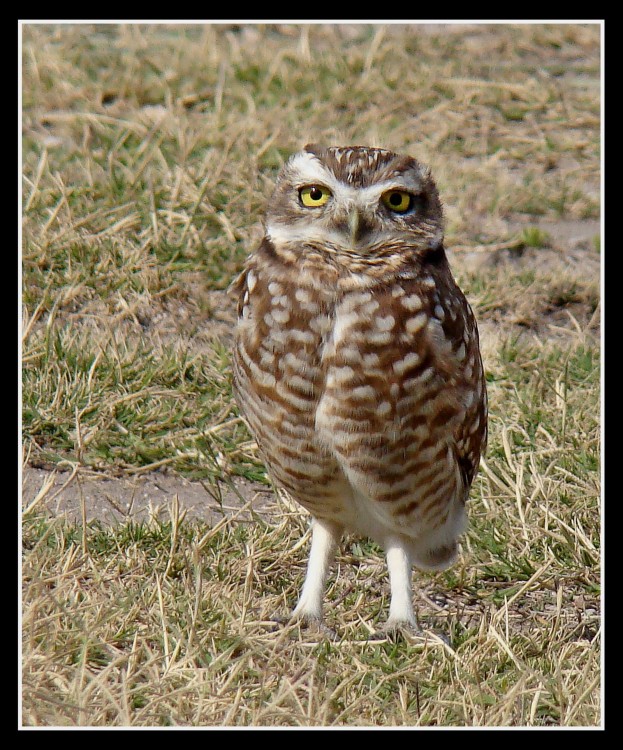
{"x": 312, "y": 232}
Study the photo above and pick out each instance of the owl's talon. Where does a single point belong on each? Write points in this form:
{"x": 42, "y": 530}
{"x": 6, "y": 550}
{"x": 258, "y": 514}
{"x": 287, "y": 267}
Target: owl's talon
{"x": 308, "y": 623}
{"x": 406, "y": 631}
{"x": 396, "y": 631}
{"x": 280, "y": 619}
{"x": 318, "y": 627}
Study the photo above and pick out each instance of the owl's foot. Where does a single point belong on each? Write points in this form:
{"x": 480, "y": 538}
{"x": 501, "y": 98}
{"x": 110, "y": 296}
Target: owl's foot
{"x": 407, "y": 631}
{"x": 313, "y": 625}
{"x": 317, "y": 627}
{"x": 395, "y": 630}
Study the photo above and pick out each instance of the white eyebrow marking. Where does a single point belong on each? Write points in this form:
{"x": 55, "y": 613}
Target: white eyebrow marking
{"x": 310, "y": 170}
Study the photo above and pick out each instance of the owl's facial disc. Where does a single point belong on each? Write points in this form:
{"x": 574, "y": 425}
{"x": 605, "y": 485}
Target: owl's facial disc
{"x": 345, "y": 211}
{"x": 342, "y": 217}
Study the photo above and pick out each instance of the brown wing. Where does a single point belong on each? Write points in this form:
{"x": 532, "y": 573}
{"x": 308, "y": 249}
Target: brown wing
{"x": 460, "y": 329}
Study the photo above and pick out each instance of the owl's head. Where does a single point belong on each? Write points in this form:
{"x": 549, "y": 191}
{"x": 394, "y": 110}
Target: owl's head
{"x": 357, "y": 201}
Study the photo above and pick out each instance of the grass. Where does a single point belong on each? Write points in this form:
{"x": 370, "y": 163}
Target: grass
{"x": 148, "y": 155}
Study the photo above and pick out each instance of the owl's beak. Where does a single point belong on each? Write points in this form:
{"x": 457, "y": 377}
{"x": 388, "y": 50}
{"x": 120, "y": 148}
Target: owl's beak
{"x": 354, "y": 224}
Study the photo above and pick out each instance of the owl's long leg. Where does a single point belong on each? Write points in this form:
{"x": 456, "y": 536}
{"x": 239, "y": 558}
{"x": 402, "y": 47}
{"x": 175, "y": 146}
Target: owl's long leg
{"x": 325, "y": 537}
{"x": 399, "y": 564}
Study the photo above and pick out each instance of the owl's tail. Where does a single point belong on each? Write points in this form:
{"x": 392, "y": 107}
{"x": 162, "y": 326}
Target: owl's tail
{"x": 438, "y": 550}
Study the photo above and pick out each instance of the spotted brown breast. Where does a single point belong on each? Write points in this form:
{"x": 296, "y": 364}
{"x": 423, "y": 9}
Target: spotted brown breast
{"x": 368, "y": 399}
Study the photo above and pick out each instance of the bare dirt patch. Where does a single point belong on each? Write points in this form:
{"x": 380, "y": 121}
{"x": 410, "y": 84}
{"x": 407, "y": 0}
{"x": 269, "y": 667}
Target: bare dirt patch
{"x": 113, "y": 500}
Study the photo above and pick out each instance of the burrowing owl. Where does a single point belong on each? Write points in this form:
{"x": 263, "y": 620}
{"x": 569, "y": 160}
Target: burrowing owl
{"x": 357, "y": 363}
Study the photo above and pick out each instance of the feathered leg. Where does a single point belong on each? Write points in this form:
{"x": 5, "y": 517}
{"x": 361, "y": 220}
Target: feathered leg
{"x": 325, "y": 537}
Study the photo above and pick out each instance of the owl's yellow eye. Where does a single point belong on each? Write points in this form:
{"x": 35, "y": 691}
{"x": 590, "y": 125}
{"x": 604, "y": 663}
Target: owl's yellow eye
{"x": 314, "y": 195}
{"x": 398, "y": 201}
